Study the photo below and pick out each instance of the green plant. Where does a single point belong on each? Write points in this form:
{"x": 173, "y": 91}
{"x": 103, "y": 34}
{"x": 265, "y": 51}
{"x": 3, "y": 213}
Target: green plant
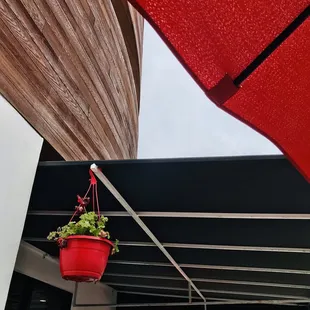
{"x": 89, "y": 224}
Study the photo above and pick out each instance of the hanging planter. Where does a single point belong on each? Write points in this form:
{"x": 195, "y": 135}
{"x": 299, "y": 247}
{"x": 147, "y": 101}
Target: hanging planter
{"x": 84, "y": 244}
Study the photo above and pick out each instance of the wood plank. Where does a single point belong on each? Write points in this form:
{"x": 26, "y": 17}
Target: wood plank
{"x": 76, "y": 78}
{"x": 125, "y": 15}
{"x": 25, "y": 105}
{"x": 34, "y": 61}
{"x": 75, "y": 36}
{"x": 138, "y": 25}
{"x": 72, "y": 81}
{"x": 104, "y": 16}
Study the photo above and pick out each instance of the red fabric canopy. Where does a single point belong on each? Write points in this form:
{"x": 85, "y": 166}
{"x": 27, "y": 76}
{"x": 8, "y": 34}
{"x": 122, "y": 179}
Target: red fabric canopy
{"x": 252, "y": 58}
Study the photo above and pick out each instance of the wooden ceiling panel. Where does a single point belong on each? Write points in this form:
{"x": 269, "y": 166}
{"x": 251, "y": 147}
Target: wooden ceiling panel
{"x": 68, "y": 68}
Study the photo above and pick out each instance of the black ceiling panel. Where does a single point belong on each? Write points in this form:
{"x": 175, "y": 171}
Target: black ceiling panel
{"x": 143, "y": 270}
{"x": 276, "y": 278}
{"x": 259, "y": 290}
{"x": 270, "y": 233}
{"x": 241, "y": 258}
{"x": 146, "y": 281}
{"x": 219, "y": 185}
{"x": 210, "y": 295}
{"x": 263, "y": 290}
{"x": 49, "y": 248}
{"x": 160, "y": 290}
{"x": 122, "y": 228}
{"x": 132, "y": 298}
{"x": 241, "y": 184}
{"x": 280, "y": 278}
{"x": 277, "y": 233}
{"x": 289, "y": 261}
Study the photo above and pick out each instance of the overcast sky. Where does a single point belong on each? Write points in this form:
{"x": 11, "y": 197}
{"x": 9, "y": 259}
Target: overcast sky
{"x": 178, "y": 120}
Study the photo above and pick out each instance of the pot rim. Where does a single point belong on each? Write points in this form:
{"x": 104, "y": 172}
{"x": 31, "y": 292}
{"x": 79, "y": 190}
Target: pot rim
{"x": 91, "y": 238}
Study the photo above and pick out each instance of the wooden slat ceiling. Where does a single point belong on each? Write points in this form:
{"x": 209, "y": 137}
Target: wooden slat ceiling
{"x": 72, "y": 69}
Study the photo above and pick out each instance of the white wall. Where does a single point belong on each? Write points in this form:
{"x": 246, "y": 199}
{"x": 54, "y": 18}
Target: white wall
{"x": 34, "y": 263}
{"x": 178, "y": 120}
{"x": 20, "y": 148}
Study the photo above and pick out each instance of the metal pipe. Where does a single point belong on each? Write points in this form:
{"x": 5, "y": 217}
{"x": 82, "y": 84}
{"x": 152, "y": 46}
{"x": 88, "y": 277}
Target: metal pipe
{"x": 199, "y": 303}
{"x": 174, "y": 296}
{"x": 205, "y": 215}
{"x": 223, "y": 281}
{"x": 134, "y": 215}
{"x": 214, "y": 267}
{"x": 204, "y": 290}
{"x": 189, "y": 293}
{"x": 203, "y": 246}
{"x": 219, "y": 247}
{"x": 211, "y": 267}
{"x": 73, "y": 302}
{"x": 161, "y": 295}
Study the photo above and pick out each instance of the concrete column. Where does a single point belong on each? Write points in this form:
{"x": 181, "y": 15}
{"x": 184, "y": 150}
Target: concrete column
{"x": 20, "y": 148}
{"x": 33, "y": 262}
{"x": 94, "y": 294}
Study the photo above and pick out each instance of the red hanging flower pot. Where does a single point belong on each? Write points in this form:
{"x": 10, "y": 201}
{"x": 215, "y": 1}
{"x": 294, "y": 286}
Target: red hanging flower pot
{"x": 84, "y": 245}
{"x": 84, "y": 258}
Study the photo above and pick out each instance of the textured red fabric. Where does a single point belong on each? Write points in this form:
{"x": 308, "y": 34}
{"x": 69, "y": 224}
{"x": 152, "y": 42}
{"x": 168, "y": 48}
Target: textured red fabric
{"x": 215, "y": 37}
{"x": 275, "y": 98}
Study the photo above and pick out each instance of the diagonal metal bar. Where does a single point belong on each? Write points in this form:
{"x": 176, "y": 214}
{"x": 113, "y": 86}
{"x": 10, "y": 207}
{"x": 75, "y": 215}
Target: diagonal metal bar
{"x": 134, "y": 215}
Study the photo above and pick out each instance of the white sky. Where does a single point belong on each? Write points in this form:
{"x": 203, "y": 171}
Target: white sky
{"x": 178, "y": 120}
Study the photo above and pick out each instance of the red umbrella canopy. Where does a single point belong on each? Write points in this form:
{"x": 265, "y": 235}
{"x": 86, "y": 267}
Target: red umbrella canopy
{"x": 252, "y": 59}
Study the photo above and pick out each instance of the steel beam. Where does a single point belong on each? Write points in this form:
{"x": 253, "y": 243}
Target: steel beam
{"x": 175, "y": 296}
{"x": 210, "y": 267}
{"x": 161, "y": 295}
{"x": 219, "y": 247}
{"x": 138, "y": 220}
{"x": 205, "y": 215}
{"x": 204, "y": 290}
{"x": 203, "y": 246}
{"x": 214, "y": 267}
{"x": 207, "y": 303}
{"x": 216, "y": 281}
